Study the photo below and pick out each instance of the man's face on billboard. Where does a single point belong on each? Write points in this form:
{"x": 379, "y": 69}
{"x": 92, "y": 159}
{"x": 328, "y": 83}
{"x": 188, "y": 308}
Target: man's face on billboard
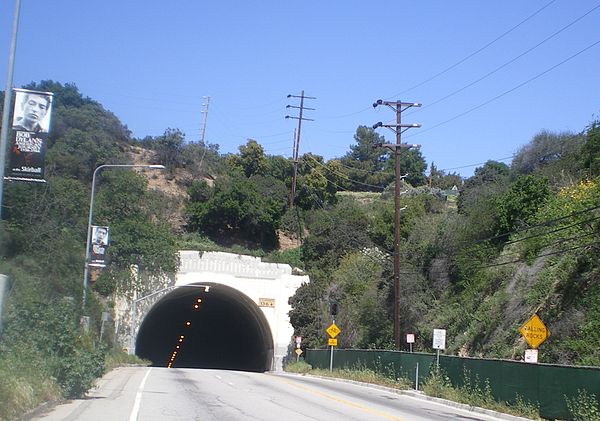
{"x": 35, "y": 108}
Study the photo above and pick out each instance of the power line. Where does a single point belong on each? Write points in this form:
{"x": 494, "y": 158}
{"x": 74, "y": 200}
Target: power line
{"x": 459, "y": 62}
{"x": 540, "y": 224}
{"x": 473, "y": 53}
{"x": 507, "y": 91}
{"x": 510, "y": 61}
{"x": 540, "y": 255}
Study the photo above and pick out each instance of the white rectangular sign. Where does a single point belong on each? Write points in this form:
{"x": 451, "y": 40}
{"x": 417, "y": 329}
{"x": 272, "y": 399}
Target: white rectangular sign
{"x": 439, "y": 338}
{"x": 531, "y": 356}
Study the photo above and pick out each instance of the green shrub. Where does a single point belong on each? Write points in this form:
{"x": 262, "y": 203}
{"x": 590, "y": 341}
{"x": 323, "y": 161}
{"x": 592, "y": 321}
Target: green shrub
{"x": 300, "y": 367}
{"x": 472, "y": 393}
{"x": 24, "y": 383}
{"x": 117, "y": 357}
{"x": 584, "y": 407}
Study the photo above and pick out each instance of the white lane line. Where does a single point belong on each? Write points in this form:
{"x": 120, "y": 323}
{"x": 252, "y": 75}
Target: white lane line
{"x": 138, "y": 398}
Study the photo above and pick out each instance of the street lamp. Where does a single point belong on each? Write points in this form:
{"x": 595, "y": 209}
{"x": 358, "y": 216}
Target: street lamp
{"x": 91, "y": 215}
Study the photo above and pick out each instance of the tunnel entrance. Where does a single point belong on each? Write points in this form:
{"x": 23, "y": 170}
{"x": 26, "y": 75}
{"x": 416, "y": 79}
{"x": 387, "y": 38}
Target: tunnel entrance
{"x": 222, "y": 328}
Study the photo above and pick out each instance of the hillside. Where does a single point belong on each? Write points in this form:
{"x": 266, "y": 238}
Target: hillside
{"x": 518, "y": 239}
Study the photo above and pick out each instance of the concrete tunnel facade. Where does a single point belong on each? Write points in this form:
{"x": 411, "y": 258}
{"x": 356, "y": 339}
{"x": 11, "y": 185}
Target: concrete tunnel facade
{"x": 222, "y": 328}
{"x": 241, "y": 323}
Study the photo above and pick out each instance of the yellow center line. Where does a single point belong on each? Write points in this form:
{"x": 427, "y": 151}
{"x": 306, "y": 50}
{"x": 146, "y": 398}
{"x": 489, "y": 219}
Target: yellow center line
{"x": 342, "y": 401}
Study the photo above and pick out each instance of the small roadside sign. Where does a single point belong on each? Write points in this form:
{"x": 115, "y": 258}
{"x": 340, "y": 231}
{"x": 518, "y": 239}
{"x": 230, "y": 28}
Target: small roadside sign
{"x": 534, "y": 331}
{"x": 439, "y": 338}
{"x": 298, "y": 351}
{"x": 332, "y": 342}
{"x": 410, "y": 338}
{"x": 333, "y": 330}
{"x": 531, "y": 356}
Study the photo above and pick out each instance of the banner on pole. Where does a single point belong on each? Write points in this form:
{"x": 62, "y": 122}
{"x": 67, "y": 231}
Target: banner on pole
{"x": 100, "y": 244}
{"x": 30, "y": 126}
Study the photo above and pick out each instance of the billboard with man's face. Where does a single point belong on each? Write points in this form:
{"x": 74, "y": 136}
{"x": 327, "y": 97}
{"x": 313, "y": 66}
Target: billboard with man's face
{"x": 99, "y": 246}
{"x": 30, "y": 127}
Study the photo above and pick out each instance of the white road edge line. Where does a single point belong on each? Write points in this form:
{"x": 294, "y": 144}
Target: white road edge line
{"x": 138, "y": 398}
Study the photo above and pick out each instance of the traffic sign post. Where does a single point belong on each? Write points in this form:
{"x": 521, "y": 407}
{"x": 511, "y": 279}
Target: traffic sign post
{"x": 332, "y": 331}
{"x": 439, "y": 342}
{"x": 298, "y": 340}
{"x": 534, "y": 331}
{"x": 410, "y": 339}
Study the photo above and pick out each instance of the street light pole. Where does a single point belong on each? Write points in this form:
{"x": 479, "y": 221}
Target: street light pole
{"x": 91, "y": 216}
{"x": 398, "y": 129}
{"x": 8, "y": 98}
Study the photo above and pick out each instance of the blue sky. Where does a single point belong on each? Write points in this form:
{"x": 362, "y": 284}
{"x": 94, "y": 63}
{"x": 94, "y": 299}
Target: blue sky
{"x": 151, "y": 63}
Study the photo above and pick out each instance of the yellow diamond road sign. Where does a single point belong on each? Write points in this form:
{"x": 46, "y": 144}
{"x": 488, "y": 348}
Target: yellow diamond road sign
{"x": 333, "y": 330}
{"x": 534, "y": 331}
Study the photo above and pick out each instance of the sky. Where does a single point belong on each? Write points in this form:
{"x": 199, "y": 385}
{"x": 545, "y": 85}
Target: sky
{"x": 489, "y": 75}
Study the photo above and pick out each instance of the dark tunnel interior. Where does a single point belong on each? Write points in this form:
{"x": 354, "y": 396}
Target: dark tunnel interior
{"x": 192, "y": 328}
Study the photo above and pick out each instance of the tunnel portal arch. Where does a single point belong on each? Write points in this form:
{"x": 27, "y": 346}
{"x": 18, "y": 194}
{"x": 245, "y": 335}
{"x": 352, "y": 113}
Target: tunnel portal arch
{"x": 221, "y": 328}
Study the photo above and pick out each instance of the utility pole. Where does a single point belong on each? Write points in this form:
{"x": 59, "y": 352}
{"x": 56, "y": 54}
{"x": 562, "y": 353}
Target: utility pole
{"x": 301, "y": 108}
{"x": 398, "y": 129}
{"x": 204, "y": 118}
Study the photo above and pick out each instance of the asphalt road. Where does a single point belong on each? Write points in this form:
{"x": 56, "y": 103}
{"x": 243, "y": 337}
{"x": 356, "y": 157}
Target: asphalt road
{"x": 142, "y": 393}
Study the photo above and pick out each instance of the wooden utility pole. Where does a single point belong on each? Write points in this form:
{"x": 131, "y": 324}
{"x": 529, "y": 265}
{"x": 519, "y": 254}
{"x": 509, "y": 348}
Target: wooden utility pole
{"x": 296, "y": 147}
{"x": 398, "y": 129}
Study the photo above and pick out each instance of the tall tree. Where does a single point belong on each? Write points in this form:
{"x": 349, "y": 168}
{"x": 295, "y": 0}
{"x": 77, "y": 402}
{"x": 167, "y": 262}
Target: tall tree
{"x": 251, "y": 159}
{"x": 365, "y": 163}
{"x": 591, "y": 149}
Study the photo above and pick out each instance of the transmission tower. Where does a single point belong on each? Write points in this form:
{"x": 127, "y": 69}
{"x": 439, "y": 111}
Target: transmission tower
{"x": 204, "y": 118}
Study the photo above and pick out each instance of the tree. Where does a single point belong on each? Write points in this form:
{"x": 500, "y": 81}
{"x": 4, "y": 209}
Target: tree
{"x": 591, "y": 149}
{"x": 521, "y": 202}
{"x": 202, "y": 159}
{"x": 555, "y": 156}
{"x": 137, "y": 236}
{"x": 251, "y": 159}
{"x": 169, "y": 149}
{"x": 365, "y": 165}
{"x": 442, "y": 180}
{"x": 333, "y": 232}
{"x": 411, "y": 163}
{"x": 488, "y": 180}
{"x": 239, "y": 207}
{"x": 354, "y": 285}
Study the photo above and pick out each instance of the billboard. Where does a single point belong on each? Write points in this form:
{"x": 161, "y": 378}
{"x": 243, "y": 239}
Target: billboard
{"x": 99, "y": 247}
{"x": 30, "y": 127}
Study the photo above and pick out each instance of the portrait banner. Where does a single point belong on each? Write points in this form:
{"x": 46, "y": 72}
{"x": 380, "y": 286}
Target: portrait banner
{"x": 99, "y": 246}
{"x": 30, "y": 127}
